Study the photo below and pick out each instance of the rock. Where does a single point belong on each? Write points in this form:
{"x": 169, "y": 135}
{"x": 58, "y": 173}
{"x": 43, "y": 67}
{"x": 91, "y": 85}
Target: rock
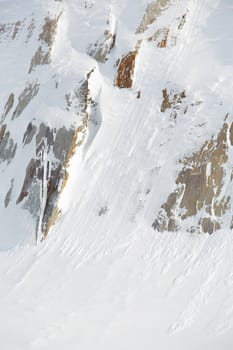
{"x": 47, "y": 37}
{"x": 208, "y": 225}
{"x": 102, "y": 48}
{"x": 125, "y": 70}
{"x": 30, "y": 91}
{"x": 9, "y": 104}
{"x": 7, "y": 145}
{"x": 153, "y": 11}
{"x": 199, "y": 187}
{"x": 29, "y": 133}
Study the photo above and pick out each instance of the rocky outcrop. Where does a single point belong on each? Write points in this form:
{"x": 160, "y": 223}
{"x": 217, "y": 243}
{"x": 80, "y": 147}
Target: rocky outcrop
{"x": 9, "y": 31}
{"x": 161, "y": 37}
{"x": 199, "y": 186}
{"x": 30, "y": 30}
{"x": 164, "y": 36}
{"x": 30, "y": 91}
{"x": 47, "y": 173}
{"x": 7, "y": 145}
{"x": 102, "y": 47}
{"x": 153, "y": 11}
{"x": 125, "y": 70}
{"x": 48, "y": 148}
{"x": 8, "y": 194}
{"x": 29, "y": 133}
{"x": 46, "y": 39}
{"x": 44, "y": 173}
{"x": 13, "y": 30}
{"x": 9, "y": 104}
{"x": 173, "y": 101}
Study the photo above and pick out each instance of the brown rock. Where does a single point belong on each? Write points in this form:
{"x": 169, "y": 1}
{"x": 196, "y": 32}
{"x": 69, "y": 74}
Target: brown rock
{"x": 208, "y": 225}
{"x": 199, "y": 186}
{"x": 125, "y": 71}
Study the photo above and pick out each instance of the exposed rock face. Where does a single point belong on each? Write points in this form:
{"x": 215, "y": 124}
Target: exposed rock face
{"x": 30, "y": 30}
{"x": 9, "y": 104}
{"x": 30, "y": 91}
{"x": 8, "y": 195}
{"x": 102, "y": 47}
{"x": 50, "y": 134}
{"x": 43, "y": 176}
{"x": 173, "y": 101}
{"x": 29, "y": 133}
{"x": 7, "y": 145}
{"x": 209, "y": 225}
{"x": 10, "y": 30}
{"x": 46, "y": 174}
{"x": 46, "y": 39}
{"x": 161, "y": 37}
{"x": 125, "y": 70}
{"x": 153, "y": 11}
{"x": 199, "y": 188}
{"x": 164, "y": 36}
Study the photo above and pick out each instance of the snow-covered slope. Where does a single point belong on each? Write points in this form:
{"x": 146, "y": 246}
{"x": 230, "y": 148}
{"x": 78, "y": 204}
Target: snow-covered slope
{"x": 116, "y": 127}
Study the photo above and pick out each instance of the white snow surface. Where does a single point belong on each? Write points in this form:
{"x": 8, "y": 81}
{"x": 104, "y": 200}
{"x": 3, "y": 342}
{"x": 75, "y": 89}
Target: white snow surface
{"x": 109, "y": 281}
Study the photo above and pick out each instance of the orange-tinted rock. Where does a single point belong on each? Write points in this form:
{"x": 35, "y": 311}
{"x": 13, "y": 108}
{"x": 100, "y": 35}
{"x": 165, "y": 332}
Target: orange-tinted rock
{"x": 173, "y": 101}
{"x": 199, "y": 186}
{"x": 125, "y": 70}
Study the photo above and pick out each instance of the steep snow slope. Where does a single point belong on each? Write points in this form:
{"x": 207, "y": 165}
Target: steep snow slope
{"x": 116, "y": 124}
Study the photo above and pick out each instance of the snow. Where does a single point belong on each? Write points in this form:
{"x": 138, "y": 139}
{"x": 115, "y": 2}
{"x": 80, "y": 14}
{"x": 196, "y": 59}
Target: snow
{"x": 131, "y": 291}
{"x": 103, "y": 278}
